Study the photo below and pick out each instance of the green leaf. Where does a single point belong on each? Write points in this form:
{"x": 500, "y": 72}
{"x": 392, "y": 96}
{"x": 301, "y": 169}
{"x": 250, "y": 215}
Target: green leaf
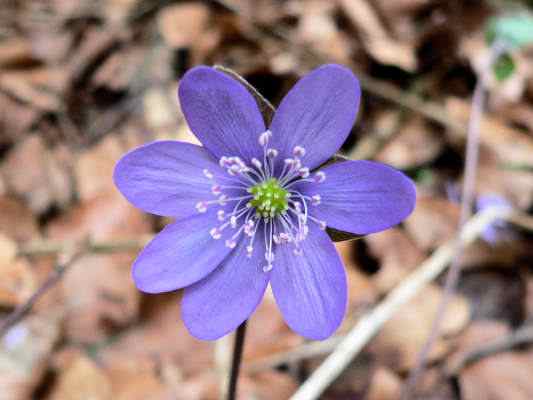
{"x": 503, "y": 67}
{"x": 515, "y": 30}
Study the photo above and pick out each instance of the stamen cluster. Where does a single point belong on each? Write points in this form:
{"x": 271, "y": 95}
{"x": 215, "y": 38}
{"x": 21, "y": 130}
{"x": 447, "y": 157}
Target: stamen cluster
{"x": 264, "y": 198}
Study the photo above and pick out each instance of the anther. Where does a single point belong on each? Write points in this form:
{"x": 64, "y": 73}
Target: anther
{"x": 231, "y": 243}
{"x": 272, "y": 153}
{"x": 215, "y": 233}
{"x": 201, "y": 207}
{"x": 256, "y": 163}
{"x": 303, "y": 172}
{"x": 319, "y": 177}
{"x": 208, "y": 174}
{"x": 216, "y": 190}
{"x": 220, "y": 215}
{"x": 249, "y": 251}
{"x": 315, "y": 199}
{"x": 298, "y": 151}
{"x": 265, "y": 137}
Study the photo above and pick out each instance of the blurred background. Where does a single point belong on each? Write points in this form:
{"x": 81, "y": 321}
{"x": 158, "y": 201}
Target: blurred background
{"x": 82, "y": 82}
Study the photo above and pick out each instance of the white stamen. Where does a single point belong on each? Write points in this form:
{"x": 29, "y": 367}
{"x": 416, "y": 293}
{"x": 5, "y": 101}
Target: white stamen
{"x": 220, "y": 215}
{"x": 231, "y": 243}
{"x": 319, "y": 177}
{"x": 249, "y": 251}
{"x": 298, "y": 151}
{"x": 256, "y": 163}
{"x": 265, "y": 137}
{"x": 208, "y": 174}
{"x": 201, "y": 207}
{"x": 216, "y": 190}
{"x": 303, "y": 172}
{"x": 215, "y": 233}
{"x": 315, "y": 199}
{"x": 272, "y": 153}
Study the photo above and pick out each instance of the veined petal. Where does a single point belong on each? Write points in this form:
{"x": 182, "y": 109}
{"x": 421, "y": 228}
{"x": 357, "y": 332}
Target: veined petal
{"x": 180, "y": 255}
{"x": 317, "y": 114}
{"x": 166, "y": 177}
{"x": 310, "y": 289}
{"x": 223, "y": 300}
{"x": 221, "y": 113}
{"x": 362, "y": 197}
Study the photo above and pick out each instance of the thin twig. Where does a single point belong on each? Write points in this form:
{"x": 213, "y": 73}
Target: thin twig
{"x": 53, "y": 278}
{"x": 370, "y": 324}
{"x": 51, "y": 247}
{"x": 236, "y": 361}
{"x": 521, "y": 336}
{"x": 299, "y": 353}
{"x": 467, "y": 200}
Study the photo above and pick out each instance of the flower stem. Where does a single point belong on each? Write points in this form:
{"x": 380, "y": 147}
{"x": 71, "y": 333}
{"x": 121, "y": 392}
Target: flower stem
{"x": 236, "y": 361}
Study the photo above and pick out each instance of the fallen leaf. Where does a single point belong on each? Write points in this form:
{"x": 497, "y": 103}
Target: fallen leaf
{"x": 24, "y": 355}
{"x": 82, "y": 380}
{"x": 401, "y": 338}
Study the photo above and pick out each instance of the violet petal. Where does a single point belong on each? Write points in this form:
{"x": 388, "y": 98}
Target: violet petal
{"x": 362, "y": 197}
{"x": 166, "y": 177}
{"x": 221, "y": 113}
{"x": 317, "y": 114}
{"x": 310, "y": 289}
{"x": 223, "y": 300}
{"x": 180, "y": 255}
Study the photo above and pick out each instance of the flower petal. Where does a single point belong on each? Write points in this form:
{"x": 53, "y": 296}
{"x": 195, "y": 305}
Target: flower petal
{"x": 310, "y": 289}
{"x": 166, "y": 177}
{"x": 318, "y": 114}
{"x": 221, "y": 113}
{"x": 180, "y": 255}
{"x": 362, "y": 197}
{"x": 223, "y": 300}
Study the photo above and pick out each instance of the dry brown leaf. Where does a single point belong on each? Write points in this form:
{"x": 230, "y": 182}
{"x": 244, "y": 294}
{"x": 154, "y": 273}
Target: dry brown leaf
{"x": 433, "y": 222}
{"x": 164, "y": 338}
{"x": 17, "y": 221}
{"x": 93, "y": 169}
{"x": 397, "y": 254}
{"x": 98, "y": 289}
{"x": 502, "y": 376}
{"x": 361, "y": 289}
{"x": 401, "y": 338}
{"x": 511, "y": 146}
{"x": 18, "y": 282}
{"x": 513, "y": 184}
{"x": 15, "y": 119}
{"x": 24, "y": 355}
{"x": 8, "y": 250}
{"x": 384, "y": 385}
{"x": 317, "y": 28}
{"x": 82, "y": 380}
{"x": 32, "y": 172}
{"x": 415, "y": 144}
{"x": 375, "y": 37}
{"x": 273, "y": 336}
{"x": 20, "y": 86}
{"x": 15, "y": 51}
{"x": 182, "y": 24}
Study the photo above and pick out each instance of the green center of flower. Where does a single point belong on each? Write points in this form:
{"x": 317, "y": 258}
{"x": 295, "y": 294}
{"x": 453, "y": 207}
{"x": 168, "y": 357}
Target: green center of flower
{"x": 270, "y": 199}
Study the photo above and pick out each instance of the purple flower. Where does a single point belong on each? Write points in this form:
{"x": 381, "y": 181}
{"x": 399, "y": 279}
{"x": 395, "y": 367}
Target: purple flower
{"x": 251, "y": 206}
